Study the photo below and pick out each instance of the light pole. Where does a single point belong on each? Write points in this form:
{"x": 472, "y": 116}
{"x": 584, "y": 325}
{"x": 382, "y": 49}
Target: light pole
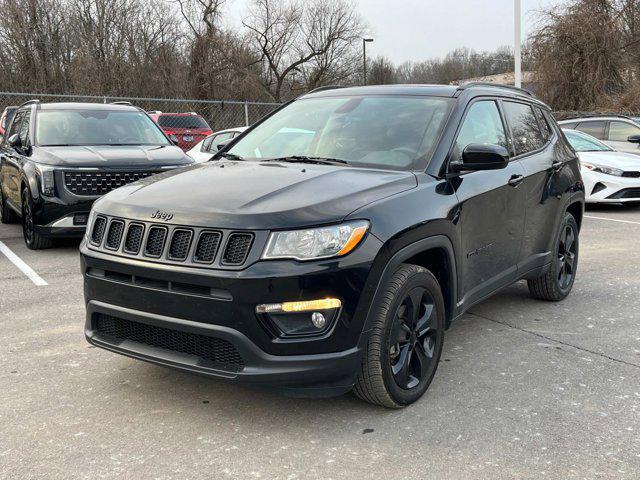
{"x": 364, "y": 59}
{"x": 516, "y": 45}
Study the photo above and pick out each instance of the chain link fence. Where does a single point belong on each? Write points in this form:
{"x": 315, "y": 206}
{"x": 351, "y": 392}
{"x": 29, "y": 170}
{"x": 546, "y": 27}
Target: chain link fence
{"x": 219, "y": 114}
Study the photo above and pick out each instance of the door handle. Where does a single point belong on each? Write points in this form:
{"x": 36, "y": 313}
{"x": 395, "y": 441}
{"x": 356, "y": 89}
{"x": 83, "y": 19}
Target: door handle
{"x": 556, "y": 165}
{"x": 516, "y": 180}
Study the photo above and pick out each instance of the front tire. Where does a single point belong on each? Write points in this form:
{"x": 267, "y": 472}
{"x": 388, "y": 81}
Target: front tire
{"x": 33, "y": 240}
{"x": 402, "y": 354}
{"x": 557, "y": 283}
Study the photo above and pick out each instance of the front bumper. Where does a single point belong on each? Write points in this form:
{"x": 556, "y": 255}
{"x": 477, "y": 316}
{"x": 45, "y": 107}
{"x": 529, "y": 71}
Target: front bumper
{"x": 311, "y": 366}
{"x": 602, "y": 188}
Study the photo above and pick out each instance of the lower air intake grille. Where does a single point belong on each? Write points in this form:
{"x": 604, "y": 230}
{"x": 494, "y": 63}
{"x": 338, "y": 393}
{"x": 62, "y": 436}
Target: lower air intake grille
{"x": 237, "y": 248}
{"x": 626, "y": 193}
{"x": 215, "y": 350}
{"x": 180, "y": 243}
{"x": 133, "y": 241}
{"x": 155, "y": 242}
{"x": 116, "y": 227}
{"x": 207, "y": 247}
{"x": 98, "y": 230}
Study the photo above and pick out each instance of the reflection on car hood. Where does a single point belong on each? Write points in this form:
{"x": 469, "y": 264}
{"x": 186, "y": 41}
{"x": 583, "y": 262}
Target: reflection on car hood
{"x": 111, "y": 156}
{"x": 254, "y": 195}
{"x": 621, "y": 160}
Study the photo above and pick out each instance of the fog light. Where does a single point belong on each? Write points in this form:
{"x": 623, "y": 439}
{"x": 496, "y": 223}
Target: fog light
{"x": 318, "y": 320}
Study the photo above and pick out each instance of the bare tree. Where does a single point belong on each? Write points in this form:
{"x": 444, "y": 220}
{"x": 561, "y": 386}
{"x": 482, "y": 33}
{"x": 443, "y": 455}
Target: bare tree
{"x": 310, "y": 39}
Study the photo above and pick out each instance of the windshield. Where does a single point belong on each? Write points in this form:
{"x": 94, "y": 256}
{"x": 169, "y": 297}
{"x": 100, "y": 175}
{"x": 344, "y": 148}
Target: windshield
{"x": 394, "y": 132}
{"x": 182, "y": 121}
{"x": 581, "y": 142}
{"x": 96, "y": 127}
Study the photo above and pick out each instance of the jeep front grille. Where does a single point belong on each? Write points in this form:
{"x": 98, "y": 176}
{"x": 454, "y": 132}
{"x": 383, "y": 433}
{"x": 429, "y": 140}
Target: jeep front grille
{"x": 207, "y": 248}
{"x": 237, "y": 248}
{"x": 176, "y": 244}
{"x": 114, "y": 236}
{"x": 93, "y": 183}
{"x": 133, "y": 241}
{"x": 155, "y": 242}
{"x": 216, "y": 351}
{"x": 180, "y": 243}
{"x": 99, "y": 227}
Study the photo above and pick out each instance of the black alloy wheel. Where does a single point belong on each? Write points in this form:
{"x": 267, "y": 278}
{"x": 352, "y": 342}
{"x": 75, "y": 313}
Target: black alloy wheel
{"x": 32, "y": 239}
{"x": 567, "y": 255}
{"x": 412, "y": 341}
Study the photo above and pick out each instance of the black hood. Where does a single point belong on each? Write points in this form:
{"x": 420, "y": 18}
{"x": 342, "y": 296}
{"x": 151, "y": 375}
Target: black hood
{"x": 136, "y": 156}
{"x": 252, "y": 195}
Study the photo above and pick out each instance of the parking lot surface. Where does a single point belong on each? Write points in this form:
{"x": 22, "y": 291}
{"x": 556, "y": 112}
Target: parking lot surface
{"x": 525, "y": 389}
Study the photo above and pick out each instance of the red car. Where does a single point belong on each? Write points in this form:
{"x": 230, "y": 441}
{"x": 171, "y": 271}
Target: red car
{"x": 187, "y": 128}
{"x": 5, "y": 118}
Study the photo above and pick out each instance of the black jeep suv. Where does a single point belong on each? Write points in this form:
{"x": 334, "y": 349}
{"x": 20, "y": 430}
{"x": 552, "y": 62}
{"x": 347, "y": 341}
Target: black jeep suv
{"x": 57, "y": 158}
{"x": 329, "y": 246}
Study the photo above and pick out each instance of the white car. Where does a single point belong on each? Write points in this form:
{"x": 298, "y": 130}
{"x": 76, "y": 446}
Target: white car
{"x": 207, "y": 148}
{"x": 619, "y": 132}
{"x": 609, "y": 176}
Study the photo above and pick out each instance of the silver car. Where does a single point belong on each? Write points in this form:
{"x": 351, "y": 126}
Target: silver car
{"x": 619, "y": 132}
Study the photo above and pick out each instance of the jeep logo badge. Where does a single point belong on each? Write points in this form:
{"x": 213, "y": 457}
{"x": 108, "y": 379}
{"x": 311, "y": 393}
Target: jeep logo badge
{"x": 162, "y": 215}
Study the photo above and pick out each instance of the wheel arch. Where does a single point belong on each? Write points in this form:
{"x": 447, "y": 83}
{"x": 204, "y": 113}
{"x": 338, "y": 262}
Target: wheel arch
{"x": 435, "y": 253}
{"x": 577, "y": 210}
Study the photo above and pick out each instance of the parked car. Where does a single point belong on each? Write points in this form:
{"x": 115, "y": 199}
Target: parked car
{"x": 208, "y": 147}
{"x": 5, "y": 118}
{"x": 185, "y": 129}
{"x": 619, "y": 132}
{"x": 609, "y": 176}
{"x": 58, "y": 158}
{"x": 337, "y": 261}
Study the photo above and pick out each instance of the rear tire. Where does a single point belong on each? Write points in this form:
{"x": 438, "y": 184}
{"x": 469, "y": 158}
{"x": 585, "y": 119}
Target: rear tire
{"x": 557, "y": 283}
{"x": 33, "y": 240}
{"x": 402, "y": 354}
{"x": 7, "y": 215}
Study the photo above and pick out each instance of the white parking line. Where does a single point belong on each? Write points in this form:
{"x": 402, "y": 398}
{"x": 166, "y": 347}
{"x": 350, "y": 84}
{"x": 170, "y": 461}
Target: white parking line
{"x": 26, "y": 269}
{"x": 612, "y": 219}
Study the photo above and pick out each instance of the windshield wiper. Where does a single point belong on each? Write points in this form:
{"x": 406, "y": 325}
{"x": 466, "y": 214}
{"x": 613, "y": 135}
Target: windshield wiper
{"x": 230, "y": 156}
{"x": 305, "y": 159}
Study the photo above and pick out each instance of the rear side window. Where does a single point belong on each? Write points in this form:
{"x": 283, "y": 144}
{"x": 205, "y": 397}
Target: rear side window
{"x": 524, "y": 127}
{"x": 621, "y": 131}
{"x": 570, "y": 126}
{"x": 24, "y": 128}
{"x": 482, "y": 124}
{"x": 545, "y": 129}
{"x": 594, "y": 128}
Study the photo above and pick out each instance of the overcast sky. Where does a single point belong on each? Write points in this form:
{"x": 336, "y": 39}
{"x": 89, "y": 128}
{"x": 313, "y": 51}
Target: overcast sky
{"x": 420, "y": 29}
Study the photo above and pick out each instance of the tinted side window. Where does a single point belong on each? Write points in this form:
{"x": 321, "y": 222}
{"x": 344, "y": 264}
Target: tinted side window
{"x": 206, "y": 145}
{"x": 570, "y": 126}
{"x": 524, "y": 127}
{"x": 544, "y": 124}
{"x": 482, "y": 124}
{"x": 15, "y": 126}
{"x": 620, "y": 131}
{"x": 24, "y": 128}
{"x": 594, "y": 128}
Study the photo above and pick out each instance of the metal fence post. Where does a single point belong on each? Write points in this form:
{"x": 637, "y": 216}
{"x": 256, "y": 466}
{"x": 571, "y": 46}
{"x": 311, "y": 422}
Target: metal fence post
{"x": 246, "y": 113}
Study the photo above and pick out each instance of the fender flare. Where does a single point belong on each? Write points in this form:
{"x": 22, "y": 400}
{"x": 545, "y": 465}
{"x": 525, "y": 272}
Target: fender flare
{"x": 399, "y": 257}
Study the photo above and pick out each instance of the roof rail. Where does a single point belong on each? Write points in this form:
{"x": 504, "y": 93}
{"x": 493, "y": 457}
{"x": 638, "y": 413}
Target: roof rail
{"x": 576, "y": 115}
{"x": 120, "y": 102}
{"x": 464, "y": 86}
{"x": 326, "y": 87}
{"x": 28, "y": 102}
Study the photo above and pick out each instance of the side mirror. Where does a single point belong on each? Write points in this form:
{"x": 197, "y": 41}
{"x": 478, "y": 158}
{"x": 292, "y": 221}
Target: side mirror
{"x": 174, "y": 139}
{"x": 480, "y": 156}
{"x": 14, "y": 141}
{"x": 633, "y": 139}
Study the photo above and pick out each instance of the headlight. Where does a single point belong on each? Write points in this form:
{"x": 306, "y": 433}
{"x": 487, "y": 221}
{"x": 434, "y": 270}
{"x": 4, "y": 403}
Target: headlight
{"x": 602, "y": 169}
{"x": 47, "y": 180}
{"x": 316, "y": 243}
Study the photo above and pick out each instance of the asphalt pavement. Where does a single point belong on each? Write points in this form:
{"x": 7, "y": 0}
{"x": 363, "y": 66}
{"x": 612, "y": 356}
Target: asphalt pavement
{"x": 525, "y": 389}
